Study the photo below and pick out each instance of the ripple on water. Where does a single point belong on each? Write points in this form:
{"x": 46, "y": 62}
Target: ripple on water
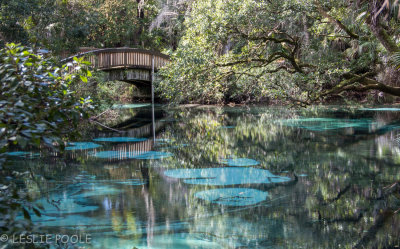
{"x": 233, "y": 196}
{"x": 226, "y": 176}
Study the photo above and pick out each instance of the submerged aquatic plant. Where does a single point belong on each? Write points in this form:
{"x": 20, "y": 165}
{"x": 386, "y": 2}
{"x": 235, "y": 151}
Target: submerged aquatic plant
{"x": 23, "y": 154}
{"x": 226, "y": 176}
{"x": 114, "y": 154}
{"x": 324, "y": 124}
{"x": 82, "y": 146}
{"x": 240, "y": 162}
{"x": 233, "y": 196}
{"x": 383, "y": 109}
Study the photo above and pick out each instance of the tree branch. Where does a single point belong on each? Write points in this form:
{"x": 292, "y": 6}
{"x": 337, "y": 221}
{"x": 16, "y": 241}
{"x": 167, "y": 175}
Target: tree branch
{"x": 335, "y": 21}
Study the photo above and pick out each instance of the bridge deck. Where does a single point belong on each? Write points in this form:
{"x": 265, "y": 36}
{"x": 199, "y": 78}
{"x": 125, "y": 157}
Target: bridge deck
{"x": 121, "y": 58}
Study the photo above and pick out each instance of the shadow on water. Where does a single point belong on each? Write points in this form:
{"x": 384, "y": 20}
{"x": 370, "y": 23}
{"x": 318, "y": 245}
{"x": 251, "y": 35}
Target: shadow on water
{"x": 252, "y": 177}
{"x": 142, "y": 118}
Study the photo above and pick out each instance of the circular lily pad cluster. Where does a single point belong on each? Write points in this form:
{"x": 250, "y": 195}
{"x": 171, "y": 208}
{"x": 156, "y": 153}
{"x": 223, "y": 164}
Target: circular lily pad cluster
{"x": 228, "y": 176}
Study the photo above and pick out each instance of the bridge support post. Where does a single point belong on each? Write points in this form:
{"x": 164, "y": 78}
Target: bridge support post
{"x": 152, "y": 99}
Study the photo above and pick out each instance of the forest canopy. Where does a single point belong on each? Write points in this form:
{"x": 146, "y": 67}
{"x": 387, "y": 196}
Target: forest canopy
{"x": 302, "y": 51}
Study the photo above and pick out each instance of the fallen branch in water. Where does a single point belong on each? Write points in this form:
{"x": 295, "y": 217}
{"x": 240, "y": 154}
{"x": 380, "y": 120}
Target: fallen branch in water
{"x": 339, "y": 194}
{"x": 97, "y": 116}
{"x": 105, "y": 126}
{"x": 380, "y": 221}
{"x": 353, "y": 219}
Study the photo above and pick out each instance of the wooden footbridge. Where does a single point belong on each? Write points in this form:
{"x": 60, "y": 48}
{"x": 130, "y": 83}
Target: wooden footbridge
{"x": 125, "y": 64}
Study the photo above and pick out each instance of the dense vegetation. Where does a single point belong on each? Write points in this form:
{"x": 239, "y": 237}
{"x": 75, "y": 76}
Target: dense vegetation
{"x": 67, "y": 25}
{"x": 232, "y": 51}
{"x": 302, "y": 51}
{"x": 296, "y": 51}
{"x": 37, "y": 108}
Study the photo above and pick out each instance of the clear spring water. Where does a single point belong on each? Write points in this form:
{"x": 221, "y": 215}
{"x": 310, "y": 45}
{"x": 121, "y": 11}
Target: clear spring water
{"x": 242, "y": 177}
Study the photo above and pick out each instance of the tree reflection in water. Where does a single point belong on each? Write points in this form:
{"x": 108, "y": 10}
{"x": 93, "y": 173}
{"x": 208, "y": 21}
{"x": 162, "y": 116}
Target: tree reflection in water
{"x": 203, "y": 195}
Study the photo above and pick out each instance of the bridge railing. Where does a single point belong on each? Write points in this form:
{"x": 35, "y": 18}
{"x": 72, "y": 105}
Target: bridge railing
{"x": 111, "y": 58}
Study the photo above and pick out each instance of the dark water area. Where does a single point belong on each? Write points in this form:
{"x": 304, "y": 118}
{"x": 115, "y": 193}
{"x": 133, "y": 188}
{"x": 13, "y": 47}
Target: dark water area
{"x": 235, "y": 177}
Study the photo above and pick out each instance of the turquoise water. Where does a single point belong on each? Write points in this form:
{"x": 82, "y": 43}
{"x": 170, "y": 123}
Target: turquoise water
{"x": 241, "y": 177}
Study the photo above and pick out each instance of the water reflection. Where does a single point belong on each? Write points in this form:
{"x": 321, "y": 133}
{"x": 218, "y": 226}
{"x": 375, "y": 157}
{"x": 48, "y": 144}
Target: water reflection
{"x": 291, "y": 178}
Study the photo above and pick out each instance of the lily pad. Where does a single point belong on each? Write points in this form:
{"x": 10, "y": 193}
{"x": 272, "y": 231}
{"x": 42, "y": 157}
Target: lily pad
{"x": 119, "y": 139}
{"x": 226, "y": 176}
{"x": 233, "y": 196}
{"x": 240, "y": 162}
{"x": 82, "y": 146}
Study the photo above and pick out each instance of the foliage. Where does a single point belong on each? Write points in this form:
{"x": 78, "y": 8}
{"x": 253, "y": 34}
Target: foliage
{"x": 67, "y": 25}
{"x": 302, "y": 51}
{"x": 168, "y": 26}
{"x": 105, "y": 93}
{"x": 36, "y": 103}
{"x": 37, "y": 107}
{"x": 396, "y": 60}
{"x": 14, "y": 18}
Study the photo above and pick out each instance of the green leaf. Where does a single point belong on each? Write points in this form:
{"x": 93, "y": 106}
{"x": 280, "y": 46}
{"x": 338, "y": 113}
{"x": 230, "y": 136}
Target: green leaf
{"x": 83, "y": 78}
